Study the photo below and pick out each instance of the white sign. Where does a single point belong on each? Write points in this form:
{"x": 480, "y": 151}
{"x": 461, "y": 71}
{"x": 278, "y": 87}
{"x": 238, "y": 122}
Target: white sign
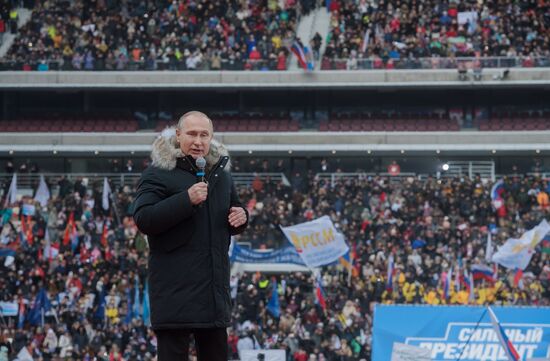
{"x": 8, "y": 309}
{"x": 466, "y": 16}
{"x": 403, "y": 352}
{"x": 266, "y": 355}
{"x": 317, "y": 242}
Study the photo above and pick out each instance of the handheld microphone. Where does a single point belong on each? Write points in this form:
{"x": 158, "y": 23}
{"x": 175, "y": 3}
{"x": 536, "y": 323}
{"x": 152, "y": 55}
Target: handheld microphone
{"x": 201, "y": 164}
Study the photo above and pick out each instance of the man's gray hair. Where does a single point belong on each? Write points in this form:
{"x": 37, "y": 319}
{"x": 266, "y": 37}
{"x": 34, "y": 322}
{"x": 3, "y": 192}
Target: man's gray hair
{"x": 194, "y": 113}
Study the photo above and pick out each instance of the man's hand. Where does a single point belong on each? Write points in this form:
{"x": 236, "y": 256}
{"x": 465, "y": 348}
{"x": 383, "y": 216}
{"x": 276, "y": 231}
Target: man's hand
{"x": 237, "y": 217}
{"x": 198, "y": 193}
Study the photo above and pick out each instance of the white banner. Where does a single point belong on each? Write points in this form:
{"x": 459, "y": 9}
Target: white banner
{"x": 517, "y": 253}
{"x": 317, "y": 242}
{"x": 9, "y": 309}
{"x": 467, "y": 16}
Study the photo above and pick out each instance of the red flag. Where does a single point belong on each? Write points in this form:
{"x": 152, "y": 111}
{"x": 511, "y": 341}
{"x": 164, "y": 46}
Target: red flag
{"x": 30, "y": 237}
{"x": 67, "y": 235}
{"x": 518, "y": 278}
{"x": 104, "y": 234}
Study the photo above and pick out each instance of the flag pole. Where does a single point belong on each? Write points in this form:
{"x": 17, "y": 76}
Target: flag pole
{"x": 471, "y": 334}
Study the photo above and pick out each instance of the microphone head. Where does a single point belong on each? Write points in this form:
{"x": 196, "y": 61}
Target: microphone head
{"x": 200, "y": 163}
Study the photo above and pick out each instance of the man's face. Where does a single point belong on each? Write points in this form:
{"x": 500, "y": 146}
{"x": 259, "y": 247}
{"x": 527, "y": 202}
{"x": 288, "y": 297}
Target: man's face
{"x": 195, "y": 136}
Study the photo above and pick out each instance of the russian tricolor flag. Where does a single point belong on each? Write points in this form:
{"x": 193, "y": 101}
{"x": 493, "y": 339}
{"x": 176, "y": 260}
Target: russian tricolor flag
{"x": 320, "y": 294}
{"x": 447, "y": 283}
{"x": 298, "y": 50}
{"x": 483, "y": 272}
{"x": 496, "y": 194}
{"x": 391, "y": 272}
{"x": 511, "y": 352}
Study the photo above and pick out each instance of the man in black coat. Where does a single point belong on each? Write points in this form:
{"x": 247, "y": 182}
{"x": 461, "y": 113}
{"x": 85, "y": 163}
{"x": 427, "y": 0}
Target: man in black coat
{"x": 189, "y": 224}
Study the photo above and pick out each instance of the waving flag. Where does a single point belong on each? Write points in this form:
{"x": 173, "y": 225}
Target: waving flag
{"x": 447, "y": 283}
{"x": 518, "y": 278}
{"x": 509, "y": 349}
{"x": 128, "y": 318}
{"x": 391, "y": 272}
{"x": 489, "y": 248}
{"x": 496, "y": 194}
{"x": 273, "y": 305}
{"x": 11, "y": 197}
{"x": 146, "y": 305}
{"x": 483, "y": 272}
{"x": 137, "y": 303}
{"x": 106, "y": 193}
{"x": 298, "y": 50}
{"x": 21, "y": 318}
{"x": 320, "y": 298}
{"x": 517, "y": 253}
{"x": 41, "y": 304}
{"x": 42, "y": 192}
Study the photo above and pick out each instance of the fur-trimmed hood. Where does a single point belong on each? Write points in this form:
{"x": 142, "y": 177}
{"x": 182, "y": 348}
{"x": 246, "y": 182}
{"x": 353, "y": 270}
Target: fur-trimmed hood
{"x": 166, "y": 150}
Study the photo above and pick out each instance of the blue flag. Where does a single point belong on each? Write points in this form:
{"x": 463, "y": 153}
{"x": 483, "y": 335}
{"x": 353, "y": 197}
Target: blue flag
{"x": 128, "y": 317}
{"x": 4, "y": 252}
{"x": 100, "y": 312}
{"x": 41, "y": 304}
{"x": 136, "y": 312}
{"x": 273, "y": 305}
{"x": 21, "y": 319}
{"x": 146, "y": 306}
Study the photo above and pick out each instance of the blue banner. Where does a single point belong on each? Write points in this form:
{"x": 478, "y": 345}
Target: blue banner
{"x": 284, "y": 255}
{"x": 460, "y": 332}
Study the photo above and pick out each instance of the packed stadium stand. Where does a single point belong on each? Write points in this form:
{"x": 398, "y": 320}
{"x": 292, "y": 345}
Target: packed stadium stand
{"x": 232, "y": 35}
{"x": 405, "y": 163}
{"x": 162, "y": 35}
{"x": 95, "y": 277}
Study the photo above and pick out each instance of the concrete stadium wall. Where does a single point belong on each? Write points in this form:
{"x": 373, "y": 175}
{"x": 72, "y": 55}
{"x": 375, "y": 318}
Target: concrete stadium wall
{"x": 287, "y": 79}
{"x": 306, "y": 142}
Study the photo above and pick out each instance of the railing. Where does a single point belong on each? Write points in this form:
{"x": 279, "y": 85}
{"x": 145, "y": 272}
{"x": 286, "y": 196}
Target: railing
{"x": 436, "y": 63}
{"x": 334, "y": 178}
{"x": 26, "y": 181}
{"x": 246, "y": 179}
{"x": 485, "y": 169}
{"x": 131, "y": 65}
{"x": 271, "y": 64}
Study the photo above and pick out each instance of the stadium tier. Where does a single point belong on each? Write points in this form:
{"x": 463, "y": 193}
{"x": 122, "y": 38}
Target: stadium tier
{"x": 89, "y": 264}
{"x": 233, "y": 35}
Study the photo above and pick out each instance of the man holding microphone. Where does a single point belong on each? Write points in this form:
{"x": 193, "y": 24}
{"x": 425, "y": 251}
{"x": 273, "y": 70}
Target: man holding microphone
{"x": 187, "y": 205}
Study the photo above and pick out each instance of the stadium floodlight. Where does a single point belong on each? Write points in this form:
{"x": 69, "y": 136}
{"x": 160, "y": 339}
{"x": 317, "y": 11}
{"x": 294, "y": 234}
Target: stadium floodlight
{"x": 538, "y": 151}
{"x": 445, "y": 167}
{"x": 290, "y": 151}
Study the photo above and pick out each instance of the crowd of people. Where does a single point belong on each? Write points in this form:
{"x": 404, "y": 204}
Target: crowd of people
{"x": 389, "y": 34}
{"x": 163, "y": 35}
{"x": 245, "y": 35}
{"x": 91, "y": 264}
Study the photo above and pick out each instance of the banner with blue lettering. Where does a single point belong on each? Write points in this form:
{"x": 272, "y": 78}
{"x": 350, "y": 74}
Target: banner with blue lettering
{"x": 460, "y": 332}
{"x": 284, "y": 255}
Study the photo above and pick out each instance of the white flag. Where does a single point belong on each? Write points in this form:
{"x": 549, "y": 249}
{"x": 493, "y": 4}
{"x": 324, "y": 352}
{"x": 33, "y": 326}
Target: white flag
{"x": 42, "y": 193}
{"x": 106, "y": 193}
{"x": 517, "y": 253}
{"x": 11, "y": 197}
{"x": 489, "y": 248}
